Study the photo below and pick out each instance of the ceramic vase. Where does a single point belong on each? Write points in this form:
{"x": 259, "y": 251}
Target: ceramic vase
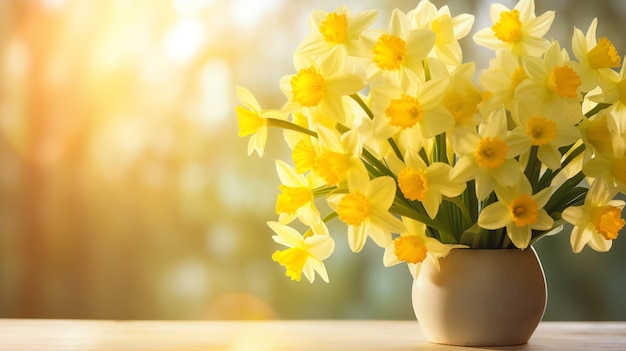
{"x": 481, "y": 297}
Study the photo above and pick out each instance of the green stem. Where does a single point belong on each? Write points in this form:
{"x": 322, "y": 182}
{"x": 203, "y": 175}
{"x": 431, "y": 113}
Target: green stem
{"x": 440, "y": 153}
{"x": 469, "y": 199}
{"x": 549, "y": 175}
{"x": 330, "y": 216}
{"x": 464, "y": 211}
{"x": 370, "y": 114}
{"x": 357, "y": 98}
{"x": 411, "y": 213}
{"x": 533, "y": 167}
{"x": 381, "y": 167}
{"x": 395, "y": 149}
{"x": 599, "y": 107}
{"x": 323, "y": 191}
{"x": 280, "y": 123}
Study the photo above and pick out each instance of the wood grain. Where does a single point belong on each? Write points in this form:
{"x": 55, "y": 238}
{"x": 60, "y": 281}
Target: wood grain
{"x": 92, "y": 335}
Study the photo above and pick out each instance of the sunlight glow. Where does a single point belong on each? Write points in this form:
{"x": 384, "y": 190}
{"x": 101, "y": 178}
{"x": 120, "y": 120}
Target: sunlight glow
{"x": 248, "y": 13}
{"x": 188, "y": 7}
{"x": 184, "y": 39}
{"x": 213, "y": 104}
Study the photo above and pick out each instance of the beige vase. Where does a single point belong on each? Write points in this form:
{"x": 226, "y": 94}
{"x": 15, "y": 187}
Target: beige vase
{"x": 481, "y": 297}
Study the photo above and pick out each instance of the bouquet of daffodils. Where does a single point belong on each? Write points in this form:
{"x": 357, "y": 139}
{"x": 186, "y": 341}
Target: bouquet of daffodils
{"x": 394, "y": 135}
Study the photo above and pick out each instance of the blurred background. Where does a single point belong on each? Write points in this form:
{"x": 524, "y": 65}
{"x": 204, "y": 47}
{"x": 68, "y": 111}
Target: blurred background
{"x": 125, "y": 192}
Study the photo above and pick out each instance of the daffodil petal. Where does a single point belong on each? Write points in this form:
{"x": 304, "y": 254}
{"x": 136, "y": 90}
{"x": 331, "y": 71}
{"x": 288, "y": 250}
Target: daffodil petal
{"x": 599, "y": 243}
{"x": 247, "y": 99}
{"x": 544, "y": 221}
{"x": 356, "y": 238}
{"x": 319, "y": 245}
{"x": 494, "y": 216}
{"x": 285, "y": 235}
{"x": 520, "y": 236}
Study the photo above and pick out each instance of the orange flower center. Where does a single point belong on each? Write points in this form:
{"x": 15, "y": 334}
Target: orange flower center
{"x": 413, "y": 184}
{"x": 354, "y": 208}
{"x": 334, "y": 28}
{"x": 404, "y": 112}
{"x": 607, "y": 221}
{"x": 564, "y": 82}
{"x": 491, "y": 152}
{"x": 389, "y": 52}
{"x": 541, "y": 130}
{"x": 332, "y": 166}
{"x": 509, "y": 28}
{"x": 410, "y": 249}
{"x": 291, "y": 199}
{"x": 523, "y": 210}
{"x": 603, "y": 55}
{"x": 308, "y": 87}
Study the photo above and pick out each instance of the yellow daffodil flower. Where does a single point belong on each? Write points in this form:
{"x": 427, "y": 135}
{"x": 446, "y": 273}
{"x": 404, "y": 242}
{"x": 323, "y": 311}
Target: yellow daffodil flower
{"x": 398, "y": 53}
{"x": 296, "y": 197}
{"x": 412, "y": 112}
{"x": 553, "y": 79}
{"x": 319, "y": 86}
{"x": 614, "y": 92}
{"x": 610, "y": 167}
{"x": 517, "y": 30}
{"x": 448, "y": 30}
{"x": 413, "y": 247}
{"x": 253, "y": 120}
{"x": 488, "y": 156}
{"x": 337, "y": 155}
{"x": 598, "y": 222}
{"x": 338, "y": 30}
{"x": 501, "y": 79}
{"x": 598, "y": 134}
{"x": 547, "y": 129}
{"x": 462, "y": 97}
{"x": 304, "y": 254}
{"x": 423, "y": 183}
{"x": 596, "y": 57}
{"x": 519, "y": 211}
{"x": 365, "y": 210}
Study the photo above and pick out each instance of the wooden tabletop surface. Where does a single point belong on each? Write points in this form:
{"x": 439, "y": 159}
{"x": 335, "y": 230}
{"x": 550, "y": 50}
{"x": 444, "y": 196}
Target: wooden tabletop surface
{"x": 79, "y": 335}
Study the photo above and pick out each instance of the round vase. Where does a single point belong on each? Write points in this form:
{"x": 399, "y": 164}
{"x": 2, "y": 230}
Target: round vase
{"x": 481, "y": 297}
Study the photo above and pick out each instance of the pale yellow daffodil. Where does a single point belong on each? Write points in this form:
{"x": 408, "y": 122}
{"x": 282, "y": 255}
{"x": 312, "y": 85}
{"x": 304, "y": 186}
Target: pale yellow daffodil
{"x": 598, "y": 221}
{"x": 253, "y": 120}
{"x": 398, "y": 53}
{"x": 519, "y": 211}
{"x": 610, "y": 166}
{"x": 614, "y": 92}
{"x": 596, "y": 57}
{"x": 555, "y": 80}
{"x": 338, "y": 30}
{"x": 319, "y": 86}
{"x": 448, "y": 30}
{"x": 365, "y": 210}
{"x": 296, "y": 197}
{"x": 423, "y": 183}
{"x": 518, "y": 30}
{"x": 330, "y": 156}
{"x": 462, "y": 97}
{"x": 547, "y": 129}
{"x": 413, "y": 246}
{"x": 500, "y": 80}
{"x": 304, "y": 254}
{"x": 489, "y": 155}
{"x": 411, "y": 112}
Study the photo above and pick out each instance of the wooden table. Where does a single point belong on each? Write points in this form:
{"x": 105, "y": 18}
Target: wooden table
{"x": 74, "y": 335}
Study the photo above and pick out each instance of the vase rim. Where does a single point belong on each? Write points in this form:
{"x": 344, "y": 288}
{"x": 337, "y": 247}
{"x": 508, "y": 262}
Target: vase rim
{"x": 496, "y": 249}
